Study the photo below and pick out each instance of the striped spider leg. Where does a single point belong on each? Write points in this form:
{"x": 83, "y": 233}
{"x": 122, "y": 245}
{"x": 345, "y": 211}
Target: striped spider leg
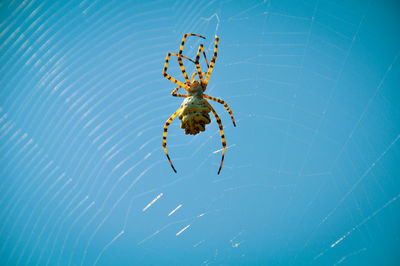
{"x": 185, "y": 86}
{"x": 221, "y": 130}
{"x": 224, "y": 103}
{"x": 180, "y": 55}
{"x": 169, "y": 121}
{"x": 211, "y": 67}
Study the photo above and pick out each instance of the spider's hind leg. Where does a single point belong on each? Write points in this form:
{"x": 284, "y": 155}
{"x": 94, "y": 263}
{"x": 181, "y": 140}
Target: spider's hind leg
{"x": 165, "y": 136}
{"x": 221, "y": 130}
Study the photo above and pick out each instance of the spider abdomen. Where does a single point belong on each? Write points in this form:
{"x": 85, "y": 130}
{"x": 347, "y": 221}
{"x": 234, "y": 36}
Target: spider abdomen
{"x": 194, "y": 115}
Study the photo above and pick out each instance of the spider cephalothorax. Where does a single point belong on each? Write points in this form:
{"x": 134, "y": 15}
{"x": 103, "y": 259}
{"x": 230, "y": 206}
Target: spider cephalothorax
{"x": 195, "y": 109}
{"x": 196, "y": 89}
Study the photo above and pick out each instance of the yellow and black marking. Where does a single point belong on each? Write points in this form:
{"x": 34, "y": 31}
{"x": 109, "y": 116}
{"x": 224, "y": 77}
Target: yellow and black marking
{"x": 180, "y": 54}
{"x": 171, "y": 78}
{"x": 173, "y": 93}
{"x": 204, "y": 53}
{"x": 194, "y": 74}
{"x": 221, "y": 129}
{"x": 165, "y": 136}
{"x": 184, "y": 57}
{"x": 198, "y": 65}
{"x": 212, "y": 60}
{"x": 224, "y": 103}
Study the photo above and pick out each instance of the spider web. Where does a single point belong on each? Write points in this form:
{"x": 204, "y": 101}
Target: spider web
{"x": 310, "y": 170}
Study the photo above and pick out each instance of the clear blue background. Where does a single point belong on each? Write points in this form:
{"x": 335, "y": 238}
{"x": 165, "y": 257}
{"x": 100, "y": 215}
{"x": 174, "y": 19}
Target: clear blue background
{"x": 311, "y": 173}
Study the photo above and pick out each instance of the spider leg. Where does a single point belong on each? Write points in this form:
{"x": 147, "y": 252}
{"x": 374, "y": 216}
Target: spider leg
{"x": 194, "y": 74}
{"x": 180, "y": 55}
{"x": 224, "y": 103}
{"x": 184, "y": 57}
{"x": 165, "y": 136}
{"x": 173, "y": 93}
{"x": 198, "y": 65}
{"x": 171, "y": 78}
{"x": 212, "y": 60}
{"x": 221, "y": 131}
{"x": 204, "y": 53}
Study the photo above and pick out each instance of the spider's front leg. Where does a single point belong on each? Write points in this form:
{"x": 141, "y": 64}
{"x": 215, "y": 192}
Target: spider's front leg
{"x": 180, "y": 55}
{"x": 204, "y": 53}
{"x": 171, "y": 78}
{"x": 210, "y": 69}
{"x": 199, "y": 73}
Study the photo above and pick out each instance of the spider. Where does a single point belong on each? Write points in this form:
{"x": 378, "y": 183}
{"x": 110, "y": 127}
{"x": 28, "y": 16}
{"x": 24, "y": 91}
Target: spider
{"x": 194, "y": 110}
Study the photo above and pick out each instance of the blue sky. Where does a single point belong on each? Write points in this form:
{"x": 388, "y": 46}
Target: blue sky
{"x": 311, "y": 170}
